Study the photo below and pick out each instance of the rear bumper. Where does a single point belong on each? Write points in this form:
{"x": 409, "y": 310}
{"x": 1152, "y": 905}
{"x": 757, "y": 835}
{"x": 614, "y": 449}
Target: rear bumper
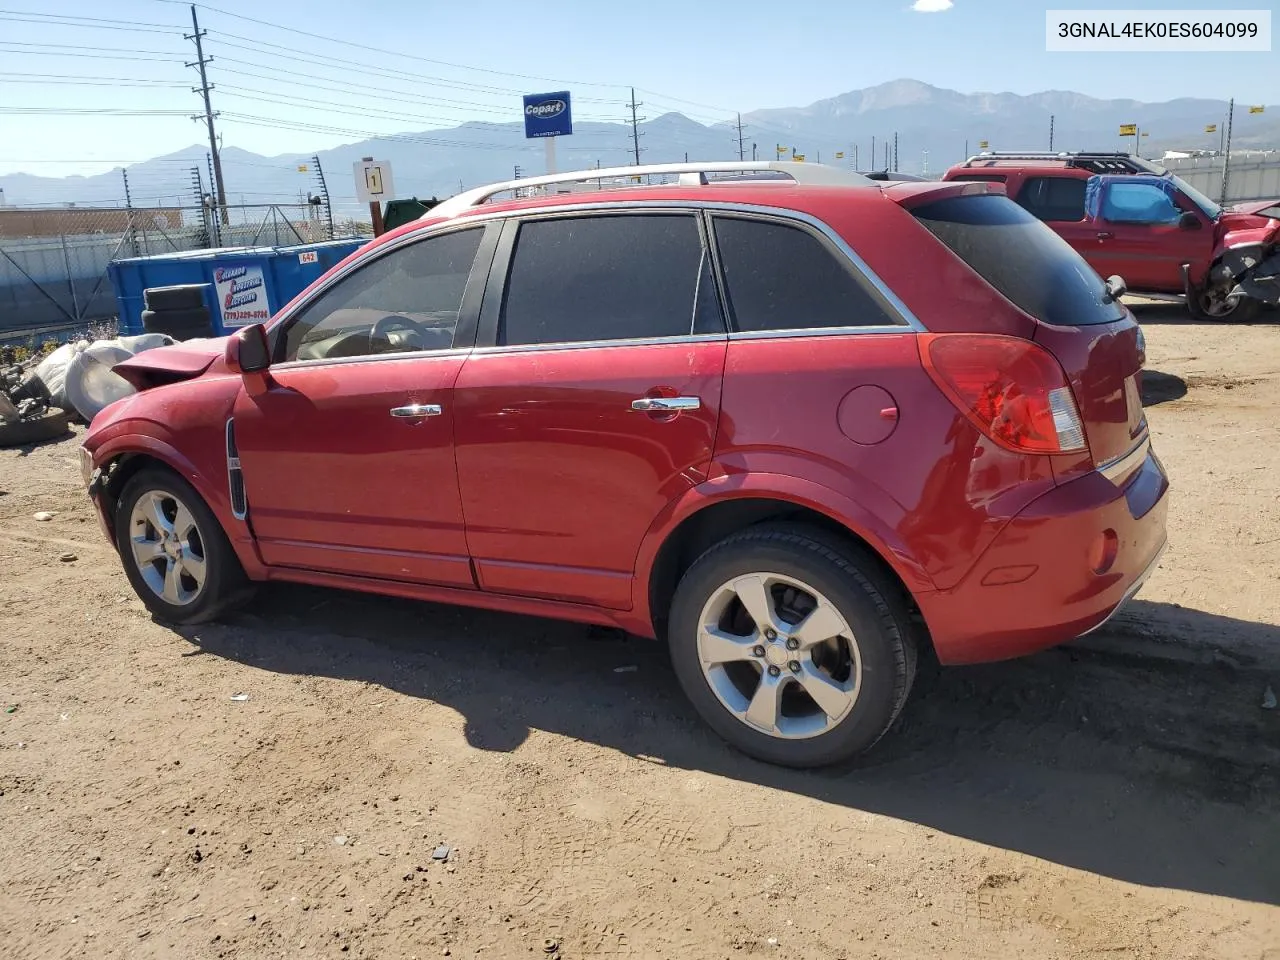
{"x": 1036, "y": 586}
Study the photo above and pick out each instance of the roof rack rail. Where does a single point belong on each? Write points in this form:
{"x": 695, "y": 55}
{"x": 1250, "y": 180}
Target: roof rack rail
{"x": 691, "y": 174}
{"x": 1097, "y": 160}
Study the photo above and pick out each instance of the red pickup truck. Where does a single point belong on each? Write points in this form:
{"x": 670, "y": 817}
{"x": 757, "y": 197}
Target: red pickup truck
{"x": 1131, "y": 217}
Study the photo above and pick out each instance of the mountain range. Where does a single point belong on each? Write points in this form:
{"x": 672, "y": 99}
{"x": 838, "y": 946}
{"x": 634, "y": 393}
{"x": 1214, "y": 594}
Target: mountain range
{"x": 934, "y": 127}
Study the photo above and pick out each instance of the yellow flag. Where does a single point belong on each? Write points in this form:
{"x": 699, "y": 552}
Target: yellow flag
{"x": 840, "y": 155}
{"x": 302, "y": 168}
{"x": 1211, "y": 128}
{"x": 983, "y": 144}
{"x": 798, "y": 158}
{"x": 1128, "y": 129}
{"x": 1257, "y": 109}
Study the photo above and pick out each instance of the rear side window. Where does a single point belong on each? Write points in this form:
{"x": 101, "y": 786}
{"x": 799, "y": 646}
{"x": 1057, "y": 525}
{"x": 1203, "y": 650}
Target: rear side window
{"x": 981, "y": 177}
{"x": 1054, "y": 198}
{"x": 618, "y": 277}
{"x": 1022, "y": 258}
{"x": 780, "y": 277}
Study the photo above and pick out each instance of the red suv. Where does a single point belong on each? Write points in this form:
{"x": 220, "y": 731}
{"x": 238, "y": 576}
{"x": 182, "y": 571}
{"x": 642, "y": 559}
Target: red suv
{"x": 801, "y": 430}
{"x": 1132, "y": 218}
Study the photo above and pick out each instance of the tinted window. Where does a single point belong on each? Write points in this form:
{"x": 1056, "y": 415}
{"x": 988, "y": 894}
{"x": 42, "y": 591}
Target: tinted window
{"x": 1054, "y": 198}
{"x": 1138, "y": 203}
{"x": 406, "y": 300}
{"x": 1022, "y": 258}
{"x": 608, "y": 278}
{"x": 982, "y": 177}
{"x": 781, "y": 277}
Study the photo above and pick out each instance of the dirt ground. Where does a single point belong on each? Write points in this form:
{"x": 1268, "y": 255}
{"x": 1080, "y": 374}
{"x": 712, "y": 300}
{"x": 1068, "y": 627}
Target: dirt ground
{"x": 1120, "y": 797}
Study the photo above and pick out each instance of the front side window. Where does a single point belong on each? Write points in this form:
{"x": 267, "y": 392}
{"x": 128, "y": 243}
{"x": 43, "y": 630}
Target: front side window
{"x": 1143, "y": 203}
{"x": 608, "y": 277}
{"x": 407, "y": 300}
{"x": 782, "y": 277}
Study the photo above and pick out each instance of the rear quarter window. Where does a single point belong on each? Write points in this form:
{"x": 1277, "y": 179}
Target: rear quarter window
{"x": 1056, "y": 199}
{"x": 1020, "y": 257}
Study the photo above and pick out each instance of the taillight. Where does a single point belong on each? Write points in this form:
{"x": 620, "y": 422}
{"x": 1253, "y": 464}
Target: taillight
{"x": 1012, "y": 390}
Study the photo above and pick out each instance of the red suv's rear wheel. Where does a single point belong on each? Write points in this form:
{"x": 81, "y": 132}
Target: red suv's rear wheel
{"x": 790, "y": 647}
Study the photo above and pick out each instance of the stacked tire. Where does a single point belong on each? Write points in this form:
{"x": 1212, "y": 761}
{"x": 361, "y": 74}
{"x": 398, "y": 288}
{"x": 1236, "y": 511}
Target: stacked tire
{"x": 179, "y": 312}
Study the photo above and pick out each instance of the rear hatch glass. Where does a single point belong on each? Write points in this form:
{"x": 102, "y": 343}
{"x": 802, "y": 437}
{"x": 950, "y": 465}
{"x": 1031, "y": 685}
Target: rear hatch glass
{"x": 1096, "y": 342}
{"x": 1021, "y": 257}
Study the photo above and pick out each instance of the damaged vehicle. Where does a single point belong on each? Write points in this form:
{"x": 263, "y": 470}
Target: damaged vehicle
{"x": 1131, "y": 217}
{"x": 731, "y": 414}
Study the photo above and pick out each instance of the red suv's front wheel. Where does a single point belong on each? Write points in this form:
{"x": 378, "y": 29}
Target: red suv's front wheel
{"x": 790, "y": 646}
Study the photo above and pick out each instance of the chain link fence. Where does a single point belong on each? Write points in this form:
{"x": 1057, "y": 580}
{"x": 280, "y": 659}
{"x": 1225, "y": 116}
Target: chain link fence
{"x": 53, "y": 261}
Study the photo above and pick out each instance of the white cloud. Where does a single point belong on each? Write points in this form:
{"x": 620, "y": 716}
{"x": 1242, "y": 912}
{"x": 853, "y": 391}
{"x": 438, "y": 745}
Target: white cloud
{"x": 932, "y": 6}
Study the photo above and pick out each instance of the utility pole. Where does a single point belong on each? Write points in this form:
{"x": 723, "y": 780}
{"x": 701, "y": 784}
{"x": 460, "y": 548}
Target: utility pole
{"x": 742, "y": 153}
{"x": 204, "y": 88}
{"x": 966, "y": 150}
{"x": 873, "y": 151}
{"x": 855, "y": 156}
{"x": 753, "y": 153}
{"x": 1226, "y": 155}
{"x": 215, "y": 231}
{"x": 924, "y": 165}
{"x": 635, "y": 126}
{"x": 1051, "y": 131}
{"x": 886, "y": 155}
{"x": 895, "y": 150}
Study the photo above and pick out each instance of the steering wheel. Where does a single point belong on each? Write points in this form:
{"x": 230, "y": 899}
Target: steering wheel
{"x": 380, "y": 330}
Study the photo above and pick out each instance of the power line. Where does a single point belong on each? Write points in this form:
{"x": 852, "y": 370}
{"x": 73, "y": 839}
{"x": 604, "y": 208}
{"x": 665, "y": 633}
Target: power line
{"x": 63, "y": 22}
{"x": 69, "y": 16}
{"x": 396, "y": 53}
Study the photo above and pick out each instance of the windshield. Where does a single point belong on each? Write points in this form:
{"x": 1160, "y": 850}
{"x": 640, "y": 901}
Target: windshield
{"x": 1207, "y": 206}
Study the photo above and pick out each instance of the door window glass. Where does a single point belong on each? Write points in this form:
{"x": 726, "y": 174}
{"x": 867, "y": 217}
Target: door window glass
{"x": 404, "y": 301}
{"x": 1054, "y": 198}
{"x": 617, "y": 277}
{"x": 781, "y": 277}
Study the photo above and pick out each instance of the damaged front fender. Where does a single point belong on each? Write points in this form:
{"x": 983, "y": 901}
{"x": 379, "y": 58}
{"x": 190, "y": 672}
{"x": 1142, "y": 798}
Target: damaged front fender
{"x": 1248, "y": 270}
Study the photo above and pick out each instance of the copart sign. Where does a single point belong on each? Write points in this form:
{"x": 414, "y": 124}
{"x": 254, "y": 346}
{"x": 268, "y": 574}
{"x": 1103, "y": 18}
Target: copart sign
{"x": 548, "y": 115}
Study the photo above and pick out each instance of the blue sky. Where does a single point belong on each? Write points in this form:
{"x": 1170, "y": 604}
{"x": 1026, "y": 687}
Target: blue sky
{"x": 706, "y": 60}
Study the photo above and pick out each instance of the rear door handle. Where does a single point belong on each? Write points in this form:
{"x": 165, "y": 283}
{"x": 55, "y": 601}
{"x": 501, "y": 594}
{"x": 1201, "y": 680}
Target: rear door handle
{"x": 665, "y": 404}
{"x": 416, "y": 410}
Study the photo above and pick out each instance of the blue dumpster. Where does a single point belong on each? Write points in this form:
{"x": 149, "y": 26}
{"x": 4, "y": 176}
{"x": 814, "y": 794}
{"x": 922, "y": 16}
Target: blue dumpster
{"x": 243, "y": 285}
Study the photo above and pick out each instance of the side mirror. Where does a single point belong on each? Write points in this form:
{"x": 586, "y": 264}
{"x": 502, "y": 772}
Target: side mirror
{"x": 1116, "y": 288}
{"x": 1188, "y": 221}
{"x": 248, "y": 350}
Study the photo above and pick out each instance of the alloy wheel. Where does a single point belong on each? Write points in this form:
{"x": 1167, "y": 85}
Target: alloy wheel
{"x": 167, "y": 547}
{"x": 779, "y": 655}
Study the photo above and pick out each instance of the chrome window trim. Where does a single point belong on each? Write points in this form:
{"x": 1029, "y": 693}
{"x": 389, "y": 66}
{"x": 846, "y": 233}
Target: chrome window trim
{"x": 1121, "y": 466}
{"x": 595, "y": 344}
{"x": 470, "y": 220}
{"x": 371, "y": 358}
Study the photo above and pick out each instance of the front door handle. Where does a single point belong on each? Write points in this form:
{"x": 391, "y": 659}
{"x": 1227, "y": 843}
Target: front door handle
{"x": 415, "y": 410}
{"x": 665, "y": 404}
{"x": 1106, "y": 235}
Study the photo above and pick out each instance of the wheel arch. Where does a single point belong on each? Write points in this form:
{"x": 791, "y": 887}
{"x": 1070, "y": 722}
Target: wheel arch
{"x": 708, "y": 514}
{"x": 127, "y": 454}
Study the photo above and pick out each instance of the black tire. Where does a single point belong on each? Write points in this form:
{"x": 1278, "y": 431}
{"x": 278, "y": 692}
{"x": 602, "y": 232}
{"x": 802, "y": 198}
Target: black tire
{"x": 225, "y": 585}
{"x": 850, "y": 580}
{"x": 1246, "y": 310}
{"x": 187, "y": 296}
{"x": 48, "y": 426}
{"x": 179, "y": 324}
